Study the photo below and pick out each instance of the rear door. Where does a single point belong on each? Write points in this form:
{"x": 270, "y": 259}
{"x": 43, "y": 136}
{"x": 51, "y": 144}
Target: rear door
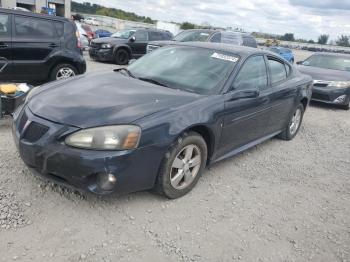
{"x": 5, "y": 47}
{"x": 246, "y": 119}
{"x": 139, "y": 46}
{"x": 34, "y": 42}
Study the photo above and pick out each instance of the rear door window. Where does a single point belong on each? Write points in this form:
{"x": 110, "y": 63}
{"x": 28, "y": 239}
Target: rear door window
{"x": 5, "y": 30}
{"x": 155, "y": 36}
{"x": 253, "y": 74}
{"x": 28, "y": 27}
{"x": 277, "y": 70}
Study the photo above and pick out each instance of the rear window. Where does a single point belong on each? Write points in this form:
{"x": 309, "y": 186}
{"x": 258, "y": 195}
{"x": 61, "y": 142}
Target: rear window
{"x": 28, "y": 27}
{"x": 231, "y": 38}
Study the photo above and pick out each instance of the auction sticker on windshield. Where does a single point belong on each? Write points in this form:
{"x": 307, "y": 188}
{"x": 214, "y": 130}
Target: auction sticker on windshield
{"x": 233, "y": 59}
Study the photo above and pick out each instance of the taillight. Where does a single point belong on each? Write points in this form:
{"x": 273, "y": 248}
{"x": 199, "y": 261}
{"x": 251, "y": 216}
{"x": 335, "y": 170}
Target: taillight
{"x": 79, "y": 45}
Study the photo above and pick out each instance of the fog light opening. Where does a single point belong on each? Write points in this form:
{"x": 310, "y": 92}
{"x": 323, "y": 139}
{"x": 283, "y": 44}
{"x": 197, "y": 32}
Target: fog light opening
{"x": 106, "y": 181}
{"x": 340, "y": 99}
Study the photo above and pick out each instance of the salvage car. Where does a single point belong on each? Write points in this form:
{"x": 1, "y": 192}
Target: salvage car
{"x": 159, "y": 122}
{"x": 207, "y": 35}
{"x": 125, "y": 45}
{"x": 331, "y": 74}
{"x": 38, "y": 48}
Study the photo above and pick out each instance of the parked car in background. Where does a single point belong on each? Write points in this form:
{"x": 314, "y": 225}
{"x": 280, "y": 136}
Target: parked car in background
{"x": 125, "y": 45}
{"x": 83, "y": 36}
{"x": 331, "y": 74}
{"x": 21, "y": 9}
{"x": 91, "y": 21}
{"x": 286, "y": 53}
{"x": 100, "y": 33}
{"x": 161, "y": 121}
{"x": 208, "y": 35}
{"x": 38, "y": 47}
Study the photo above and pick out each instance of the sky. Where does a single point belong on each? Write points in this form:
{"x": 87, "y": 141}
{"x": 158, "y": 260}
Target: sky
{"x": 305, "y": 18}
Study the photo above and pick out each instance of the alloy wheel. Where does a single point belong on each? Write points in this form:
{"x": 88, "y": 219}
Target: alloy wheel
{"x": 64, "y": 73}
{"x": 295, "y": 123}
{"x": 185, "y": 167}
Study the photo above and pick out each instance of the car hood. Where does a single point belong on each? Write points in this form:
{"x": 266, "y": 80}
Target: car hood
{"x": 104, "y": 99}
{"x": 318, "y": 73}
{"x": 110, "y": 40}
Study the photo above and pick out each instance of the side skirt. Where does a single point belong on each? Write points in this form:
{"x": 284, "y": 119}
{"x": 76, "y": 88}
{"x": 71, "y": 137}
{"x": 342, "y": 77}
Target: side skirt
{"x": 245, "y": 147}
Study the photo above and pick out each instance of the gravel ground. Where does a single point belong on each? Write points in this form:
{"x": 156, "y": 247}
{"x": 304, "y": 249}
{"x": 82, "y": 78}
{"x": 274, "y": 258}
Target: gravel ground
{"x": 280, "y": 201}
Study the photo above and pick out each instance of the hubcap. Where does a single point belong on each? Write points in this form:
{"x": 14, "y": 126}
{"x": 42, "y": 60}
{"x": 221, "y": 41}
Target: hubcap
{"x": 294, "y": 125}
{"x": 185, "y": 167}
{"x": 64, "y": 72}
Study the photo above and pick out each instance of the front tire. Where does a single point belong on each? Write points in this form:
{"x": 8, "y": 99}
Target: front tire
{"x": 63, "y": 71}
{"x": 345, "y": 107}
{"x": 121, "y": 57}
{"x": 294, "y": 124}
{"x": 182, "y": 166}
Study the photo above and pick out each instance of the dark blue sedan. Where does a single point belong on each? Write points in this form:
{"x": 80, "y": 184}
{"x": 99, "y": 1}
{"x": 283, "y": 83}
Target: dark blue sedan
{"x": 286, "y": 53}
{"x": 158, "y": 123}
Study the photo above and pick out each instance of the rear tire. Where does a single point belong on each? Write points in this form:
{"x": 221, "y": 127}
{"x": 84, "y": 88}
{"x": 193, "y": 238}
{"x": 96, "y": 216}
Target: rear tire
{"x": 182, "y": 166}
{"x": 294, "y": 124}
{"x": 121, "y": 57}
{"x": 63, "y": 71}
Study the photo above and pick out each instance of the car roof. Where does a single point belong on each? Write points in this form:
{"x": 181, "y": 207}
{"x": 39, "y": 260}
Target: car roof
{"x": 235, "y": 49}
{"x": 26, "y": 13}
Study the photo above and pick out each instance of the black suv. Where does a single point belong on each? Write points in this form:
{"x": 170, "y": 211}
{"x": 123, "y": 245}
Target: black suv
{"x": 38, "y": 48}
{"x": 125, "y": 45}
{"x": 208, "y": 35}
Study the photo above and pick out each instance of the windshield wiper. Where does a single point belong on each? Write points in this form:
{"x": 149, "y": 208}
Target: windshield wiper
{"x": 125, "y": 70}
{"x": 153, "y": 81}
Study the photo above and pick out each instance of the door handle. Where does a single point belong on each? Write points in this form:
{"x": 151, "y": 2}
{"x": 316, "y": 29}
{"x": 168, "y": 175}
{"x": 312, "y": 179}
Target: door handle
{"x": 53, "y": 45}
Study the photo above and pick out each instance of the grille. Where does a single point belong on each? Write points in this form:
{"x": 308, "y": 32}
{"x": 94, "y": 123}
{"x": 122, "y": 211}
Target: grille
{"x": 34, "y": 132}
{"x": 22, "y": 121}
{"x": 94, "y": 45}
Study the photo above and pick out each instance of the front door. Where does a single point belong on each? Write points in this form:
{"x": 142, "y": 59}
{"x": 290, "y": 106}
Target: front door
{"x": 246, "y": 118}
{"x": 139, "y": 46}
{"x": 34, "y": 40}
{"x": 5, "y": 47}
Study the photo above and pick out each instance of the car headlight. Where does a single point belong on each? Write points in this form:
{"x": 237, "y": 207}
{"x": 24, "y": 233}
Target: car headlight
{"x": 339, "y": 84}
{"x": 120, "y": 137}
{"x": 106, "y": 46}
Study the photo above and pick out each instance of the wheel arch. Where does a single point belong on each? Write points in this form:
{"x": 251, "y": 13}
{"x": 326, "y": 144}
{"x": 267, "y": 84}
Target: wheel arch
{"x": 125, "y": 47}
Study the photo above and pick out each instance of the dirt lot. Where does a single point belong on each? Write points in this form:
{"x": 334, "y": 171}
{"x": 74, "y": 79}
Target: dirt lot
{"x": 280, "y": 201}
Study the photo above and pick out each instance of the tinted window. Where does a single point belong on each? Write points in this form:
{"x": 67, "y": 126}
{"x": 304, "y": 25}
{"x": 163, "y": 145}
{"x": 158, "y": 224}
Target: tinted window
{"x": 252, "y": 74}
{"x": 33, "y": 28}
{"x": 216, "y": 38}
{"x": 192, "y": 36}
{"x": 278, "y": 71}
{"x": 141, "y": 36}
{"x": 59, "y": 28}
{"x": 231, "y": 38}
{"x": 167, "y": 36}
{"x": 249, "y": 41}
{"x": 329, "y": 61}
{"x": 4, "y": 25}
{"x": 154, "y": 36}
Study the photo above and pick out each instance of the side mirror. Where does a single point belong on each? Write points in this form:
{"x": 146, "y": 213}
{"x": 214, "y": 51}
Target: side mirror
{"x": 240, "y": 94}
{"x": 300, "y": 62}
{"x": 132, "y": 39}
{"x": 132, "y": 61}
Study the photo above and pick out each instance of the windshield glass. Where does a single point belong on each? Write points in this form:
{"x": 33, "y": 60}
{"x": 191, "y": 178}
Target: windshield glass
{"x": 329, "y": 62}
{"x": 125, "y": 34}
{"x": 192, "y": 36}
{"x": 191, "y": 69}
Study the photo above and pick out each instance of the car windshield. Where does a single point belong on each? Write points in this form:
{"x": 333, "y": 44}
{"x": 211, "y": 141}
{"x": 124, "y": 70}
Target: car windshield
{"x": 125, "y": 34}
{"x": 191, "y": 69}
{"x": 329, "y": 62}
{"x": 192, "y": 36}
